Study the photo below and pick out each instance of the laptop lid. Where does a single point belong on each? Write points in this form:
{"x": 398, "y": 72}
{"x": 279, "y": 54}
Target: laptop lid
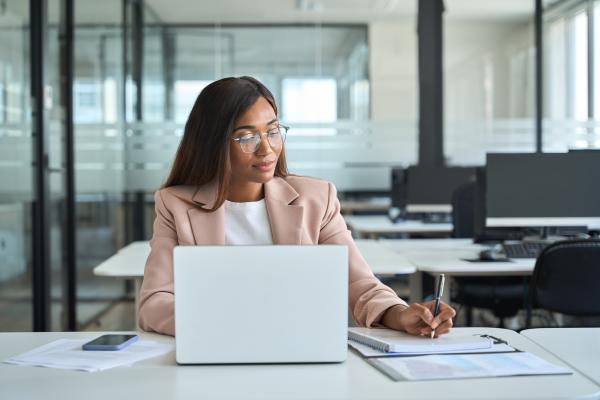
{"x": 260, "y": 304}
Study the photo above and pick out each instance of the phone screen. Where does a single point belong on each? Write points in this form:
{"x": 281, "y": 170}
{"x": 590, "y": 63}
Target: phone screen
{"x": 110, "y": 340}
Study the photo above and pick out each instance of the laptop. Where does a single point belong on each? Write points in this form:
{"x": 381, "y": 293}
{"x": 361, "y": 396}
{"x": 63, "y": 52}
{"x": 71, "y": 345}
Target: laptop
{"x": 260, "y": 304}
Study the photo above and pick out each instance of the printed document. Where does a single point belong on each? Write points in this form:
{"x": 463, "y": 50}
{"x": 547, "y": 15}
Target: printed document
{"x": 451, "y": 366}
{"x": 67, "y": 354}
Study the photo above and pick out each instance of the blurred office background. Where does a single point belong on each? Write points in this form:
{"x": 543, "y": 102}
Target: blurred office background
{"x": 345, "y": 74}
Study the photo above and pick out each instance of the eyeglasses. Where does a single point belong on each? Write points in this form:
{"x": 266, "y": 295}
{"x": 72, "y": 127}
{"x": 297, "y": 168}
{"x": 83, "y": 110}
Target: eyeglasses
{"x": 250, "y": 141}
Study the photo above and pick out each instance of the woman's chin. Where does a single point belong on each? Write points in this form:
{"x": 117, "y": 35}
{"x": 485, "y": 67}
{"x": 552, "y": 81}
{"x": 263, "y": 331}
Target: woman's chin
{"x": 263, "y": 177}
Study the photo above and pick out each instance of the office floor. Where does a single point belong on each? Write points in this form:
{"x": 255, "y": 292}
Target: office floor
{"x": 95, "y": 298}
{"x": 119, "y": 317}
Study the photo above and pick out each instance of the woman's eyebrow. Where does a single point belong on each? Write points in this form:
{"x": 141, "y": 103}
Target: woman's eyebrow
{"x": 252, "y": 126}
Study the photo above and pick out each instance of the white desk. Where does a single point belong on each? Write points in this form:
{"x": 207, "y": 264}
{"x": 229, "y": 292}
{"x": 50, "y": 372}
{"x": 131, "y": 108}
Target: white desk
{"x": 373, "y": 226}
{"x": 578, "y": 347}
{"x": 380, "y": 204}
{"x": 447, "y": 256}
{"x": 160, "y": 378}
{"x": 129, "y": 262}
{"x": 382, "y": 260}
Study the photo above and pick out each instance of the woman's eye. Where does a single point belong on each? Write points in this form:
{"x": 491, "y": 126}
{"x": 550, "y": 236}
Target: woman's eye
{"x": 247, "y": 138}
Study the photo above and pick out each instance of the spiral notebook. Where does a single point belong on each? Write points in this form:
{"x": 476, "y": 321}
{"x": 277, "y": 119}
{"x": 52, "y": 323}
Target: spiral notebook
{"x": 389, "y": 340}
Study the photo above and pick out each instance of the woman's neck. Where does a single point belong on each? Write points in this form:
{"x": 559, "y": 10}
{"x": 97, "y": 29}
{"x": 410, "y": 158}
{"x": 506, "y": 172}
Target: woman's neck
{"x": 242, "y": 193}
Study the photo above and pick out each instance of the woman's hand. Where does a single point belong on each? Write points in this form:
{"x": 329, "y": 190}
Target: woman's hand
{"x": 417, "y": 319}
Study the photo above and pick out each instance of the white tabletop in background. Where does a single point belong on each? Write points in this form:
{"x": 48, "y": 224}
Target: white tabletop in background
{"x": 129, "y": 262}
{"x": 382, "y": 260}
{"x": 579, "y": 347}
{"x": 382, "y": 224}
{"x": 449, "y": 256}
{"x": 436, "y": 244}
{"x": 160, "y": 378}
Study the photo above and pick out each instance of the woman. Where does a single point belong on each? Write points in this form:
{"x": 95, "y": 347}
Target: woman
{"x": 229, "y": 185}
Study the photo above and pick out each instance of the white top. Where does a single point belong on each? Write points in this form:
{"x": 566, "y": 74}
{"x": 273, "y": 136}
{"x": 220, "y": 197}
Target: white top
{"x": 247, "y": 223}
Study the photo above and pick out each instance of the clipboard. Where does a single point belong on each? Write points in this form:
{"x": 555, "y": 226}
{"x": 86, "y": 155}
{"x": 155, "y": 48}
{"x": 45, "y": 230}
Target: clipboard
{"x": 498, "y": 346}
{"x": 465, "y": 365}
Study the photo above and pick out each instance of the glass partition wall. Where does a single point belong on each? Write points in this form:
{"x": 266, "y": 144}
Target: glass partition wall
{"x": 349, "y": 91}
{"x": 99, "y": 167}
{"x": 134, "y": 81}
{"x": 98, "y": 113}
{"x": 572, "y": 78}
{"x": 319, "y": 75}
{"x": 489, "y": 81}
{"x": 16, "y": 171}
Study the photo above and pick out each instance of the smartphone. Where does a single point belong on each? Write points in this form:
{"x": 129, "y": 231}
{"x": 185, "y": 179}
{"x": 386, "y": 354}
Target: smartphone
{"x": 110, "y": 342}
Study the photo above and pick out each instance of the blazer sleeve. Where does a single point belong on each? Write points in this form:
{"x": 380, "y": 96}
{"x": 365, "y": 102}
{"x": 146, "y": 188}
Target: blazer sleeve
{"x": 156, "y": 307}
{"x": 368, "y": 297}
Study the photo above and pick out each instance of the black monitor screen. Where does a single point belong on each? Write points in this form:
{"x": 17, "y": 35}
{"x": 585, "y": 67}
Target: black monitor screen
{"x": 435, "y": 185}
{"x": 565, "y": 185}
{"x": 398, "y": 193}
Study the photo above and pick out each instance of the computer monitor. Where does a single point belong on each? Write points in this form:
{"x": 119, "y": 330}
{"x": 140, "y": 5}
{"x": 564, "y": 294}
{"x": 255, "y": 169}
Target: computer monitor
{"x": 398, "y": 193}
{"x": 429, "y": 189}
{"x": 543, "y": 190}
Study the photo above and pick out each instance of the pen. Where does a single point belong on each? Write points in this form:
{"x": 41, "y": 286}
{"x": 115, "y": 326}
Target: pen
{"x": 438, "y": 294}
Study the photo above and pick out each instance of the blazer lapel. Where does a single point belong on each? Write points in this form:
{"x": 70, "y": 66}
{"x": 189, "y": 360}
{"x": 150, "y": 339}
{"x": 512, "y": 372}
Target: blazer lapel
{"x": 285, "y": 218}
{"x": 207, "y": 227}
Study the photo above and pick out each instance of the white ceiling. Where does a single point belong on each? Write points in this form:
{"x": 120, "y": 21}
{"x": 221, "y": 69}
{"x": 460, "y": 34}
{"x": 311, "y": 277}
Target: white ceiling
{"x": 279, "y": 11}
{"x": 353, "y": 11}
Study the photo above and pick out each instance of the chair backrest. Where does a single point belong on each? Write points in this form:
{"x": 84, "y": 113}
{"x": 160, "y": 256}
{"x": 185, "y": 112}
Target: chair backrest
{"x": 566, "y": 278}
{"x": 463, "y": 210}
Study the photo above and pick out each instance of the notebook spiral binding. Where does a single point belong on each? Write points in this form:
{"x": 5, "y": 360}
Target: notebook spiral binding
{"x": 369, "y": 342}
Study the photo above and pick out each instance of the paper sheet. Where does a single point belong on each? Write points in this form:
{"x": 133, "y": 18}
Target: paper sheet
{"x": 67, "y": 354}
{"x": 465, "y": 366}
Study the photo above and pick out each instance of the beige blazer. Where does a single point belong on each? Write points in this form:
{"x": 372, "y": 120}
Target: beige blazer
{"x": 301, "y": 210}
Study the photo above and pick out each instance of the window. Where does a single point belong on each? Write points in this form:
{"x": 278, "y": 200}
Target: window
{"x": 87, "y": 106}
{"x": 597, "y": 62}
{"x": 579, "y": 70}
{"x": 186, "y": 93}
{"x": 309, "y": 100}
{"x": 572, "y": 76}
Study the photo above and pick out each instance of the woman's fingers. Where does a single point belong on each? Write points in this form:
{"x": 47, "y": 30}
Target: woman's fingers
{"x": 419, "y": 319}
{"x": 445, "y": 314}
{"x": 442, "y": 322}
{"x": 443, "y": 328}
{"x": 423, "y": 313}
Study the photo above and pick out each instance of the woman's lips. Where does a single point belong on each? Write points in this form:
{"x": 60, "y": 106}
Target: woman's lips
{"x": 264, "y": 166}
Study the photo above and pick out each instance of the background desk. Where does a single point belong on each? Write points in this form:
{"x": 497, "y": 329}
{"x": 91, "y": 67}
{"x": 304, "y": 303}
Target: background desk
{"x": 129, "y": 262}
{"x": 578, "y": 347}
{"x": 160, "y": 378}
{"x": 447, "y": 256}
{"x": 375, "y": 205}
{"x": 373, "y": 226}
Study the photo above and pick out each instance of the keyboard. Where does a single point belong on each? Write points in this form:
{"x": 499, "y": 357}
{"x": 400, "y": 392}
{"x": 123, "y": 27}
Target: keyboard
{"x": 529, "y": 249}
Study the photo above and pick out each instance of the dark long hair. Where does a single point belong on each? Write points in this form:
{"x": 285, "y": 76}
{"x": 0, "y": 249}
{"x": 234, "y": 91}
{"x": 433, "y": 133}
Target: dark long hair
{"x": 203, "y": 154}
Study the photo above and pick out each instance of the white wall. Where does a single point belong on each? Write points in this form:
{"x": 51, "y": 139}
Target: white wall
{"x": 479, "y": 80}
{"x": 488, "y": 84}
{"x": 393, "y": 70}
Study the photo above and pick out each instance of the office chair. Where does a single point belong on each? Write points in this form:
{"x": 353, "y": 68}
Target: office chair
{"x": 566, "y": 279}
{"x": 504, "y": 296}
